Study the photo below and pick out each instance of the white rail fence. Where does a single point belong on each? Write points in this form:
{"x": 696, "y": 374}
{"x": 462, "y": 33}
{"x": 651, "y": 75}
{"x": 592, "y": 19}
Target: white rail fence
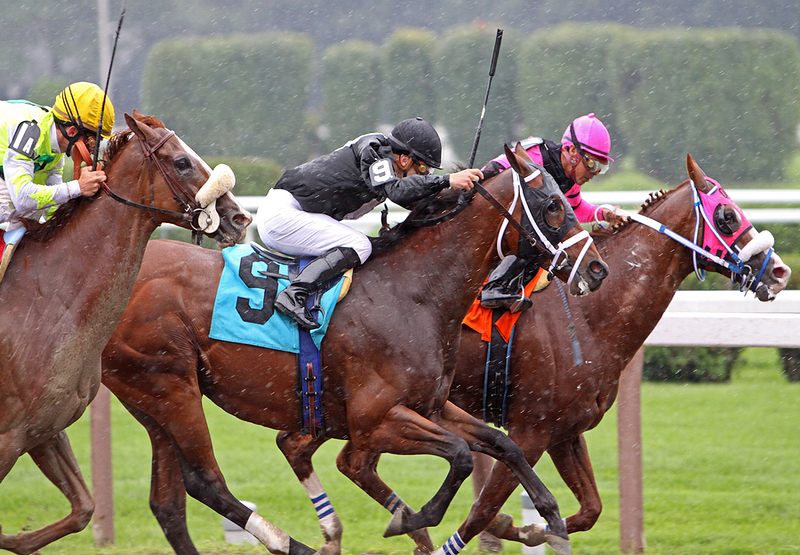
{"x": 694, "y": 318}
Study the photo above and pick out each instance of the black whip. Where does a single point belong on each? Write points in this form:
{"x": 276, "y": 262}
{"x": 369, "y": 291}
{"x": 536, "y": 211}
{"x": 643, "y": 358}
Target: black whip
{"x": 105, "y": 91}
{"x": 498, "y": 39}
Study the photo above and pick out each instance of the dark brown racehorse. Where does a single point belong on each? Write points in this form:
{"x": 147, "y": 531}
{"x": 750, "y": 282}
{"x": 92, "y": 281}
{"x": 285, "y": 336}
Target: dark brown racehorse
{"x": 552, "y": 402}
{"x": 388, "y": 363}
{"x": 62, "y": 297}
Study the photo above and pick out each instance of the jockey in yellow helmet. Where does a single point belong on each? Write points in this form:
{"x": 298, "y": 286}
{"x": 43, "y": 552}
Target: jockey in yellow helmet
{"x": 33, "y": 142}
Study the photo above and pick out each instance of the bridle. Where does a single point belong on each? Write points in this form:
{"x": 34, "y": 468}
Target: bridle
{"x": 192, "y": 212}
{"x": 741, "y": 272}
{"x": 560, "y": 257}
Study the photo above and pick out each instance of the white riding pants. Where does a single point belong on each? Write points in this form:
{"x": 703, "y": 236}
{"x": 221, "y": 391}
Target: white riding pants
{"x": 284, "y": 226}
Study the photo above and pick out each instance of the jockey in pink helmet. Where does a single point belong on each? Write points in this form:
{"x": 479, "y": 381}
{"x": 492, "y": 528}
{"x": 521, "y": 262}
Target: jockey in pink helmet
{"x": 584, "y": 152}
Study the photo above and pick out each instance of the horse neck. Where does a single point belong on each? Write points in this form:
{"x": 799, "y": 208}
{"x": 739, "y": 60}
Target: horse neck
{"x": 646, "y": 270}
{"x": 94, "y": 256}
{"x": 443, "y": 266}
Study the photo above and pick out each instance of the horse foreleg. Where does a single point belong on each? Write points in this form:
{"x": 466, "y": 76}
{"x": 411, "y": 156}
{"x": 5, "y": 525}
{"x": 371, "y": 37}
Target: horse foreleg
{"x": 56, "y": 460}
{"x": 403, "y": 431}
{"x": 299, "y": 449}
{"x": 484, "y": 439}
{"x": 571, "y": 459}
{"x": 362, "y": 469}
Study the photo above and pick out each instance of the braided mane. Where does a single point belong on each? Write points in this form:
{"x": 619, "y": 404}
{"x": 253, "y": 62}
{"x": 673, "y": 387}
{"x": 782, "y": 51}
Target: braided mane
{"x": 653, "y": 199}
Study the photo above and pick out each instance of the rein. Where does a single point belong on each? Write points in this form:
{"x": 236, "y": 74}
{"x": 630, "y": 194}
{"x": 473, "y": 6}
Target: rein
{"x": 738, "y": 268}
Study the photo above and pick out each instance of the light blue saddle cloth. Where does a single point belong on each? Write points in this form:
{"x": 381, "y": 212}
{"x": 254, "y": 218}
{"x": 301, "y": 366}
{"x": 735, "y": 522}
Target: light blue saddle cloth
{"x": 243, "y": 311}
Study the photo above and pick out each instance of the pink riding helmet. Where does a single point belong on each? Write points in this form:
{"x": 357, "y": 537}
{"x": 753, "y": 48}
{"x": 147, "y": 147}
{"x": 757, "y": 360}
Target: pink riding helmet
{"x": 591, "y": 135}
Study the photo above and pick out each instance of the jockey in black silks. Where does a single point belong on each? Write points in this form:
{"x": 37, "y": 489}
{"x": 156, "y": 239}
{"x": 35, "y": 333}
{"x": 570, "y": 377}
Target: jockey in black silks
{"x": 301, "y": 215}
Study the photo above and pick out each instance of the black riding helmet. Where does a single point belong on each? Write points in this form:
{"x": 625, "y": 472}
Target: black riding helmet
{"x": 418, "y": 138}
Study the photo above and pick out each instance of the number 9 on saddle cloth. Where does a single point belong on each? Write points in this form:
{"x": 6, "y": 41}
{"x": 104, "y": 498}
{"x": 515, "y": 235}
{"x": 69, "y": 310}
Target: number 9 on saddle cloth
{"x": 243, "y": 307}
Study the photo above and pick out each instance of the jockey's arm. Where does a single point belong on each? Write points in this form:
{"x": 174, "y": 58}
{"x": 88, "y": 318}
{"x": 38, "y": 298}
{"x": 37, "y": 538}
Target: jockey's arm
{"x": 584, "y": 210}
{"x": 27, "y": 196}
{"x": 377, "y": 170}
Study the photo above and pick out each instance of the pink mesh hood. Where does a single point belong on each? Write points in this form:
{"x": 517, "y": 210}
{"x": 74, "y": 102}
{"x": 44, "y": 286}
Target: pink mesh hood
{"x": 710, "y": 202}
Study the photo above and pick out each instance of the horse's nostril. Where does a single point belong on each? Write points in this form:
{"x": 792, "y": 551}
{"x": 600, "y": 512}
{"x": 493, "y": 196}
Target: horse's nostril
{"x": 242, "y": 220}
{"x": 598, "y": 269}
{"x": 780, "y": 272}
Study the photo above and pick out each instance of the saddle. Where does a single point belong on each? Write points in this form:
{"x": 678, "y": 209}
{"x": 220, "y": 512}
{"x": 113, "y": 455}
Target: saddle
{"x": 269, "y": 255}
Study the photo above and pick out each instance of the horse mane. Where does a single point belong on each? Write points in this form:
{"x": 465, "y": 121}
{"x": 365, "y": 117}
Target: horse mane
{"x": 428, "y": 212}
{"x": 43, "y": 232}
{"x": 118, "y": 141}
{"x": 653, "y": 199}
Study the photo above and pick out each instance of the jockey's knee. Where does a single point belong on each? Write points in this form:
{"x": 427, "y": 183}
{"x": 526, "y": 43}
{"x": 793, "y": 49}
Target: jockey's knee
{"x": 363, "y": 247}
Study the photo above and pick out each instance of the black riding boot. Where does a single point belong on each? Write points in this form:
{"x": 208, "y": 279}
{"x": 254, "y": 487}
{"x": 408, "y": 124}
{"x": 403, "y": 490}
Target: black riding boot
{"x": 292, "y": 300}
{"x": 504, "y": 288}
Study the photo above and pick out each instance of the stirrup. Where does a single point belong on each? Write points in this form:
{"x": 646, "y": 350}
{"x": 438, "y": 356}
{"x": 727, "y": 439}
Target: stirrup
{"x": 522, "y": 303}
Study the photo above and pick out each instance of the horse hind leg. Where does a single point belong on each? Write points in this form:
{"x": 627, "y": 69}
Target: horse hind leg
{"x": 362, "y": 469}
{"x": 56, "y": 460}
{"x": 167, "y": 492}
{"x": 183, "y": 424}
{"x": 298, "y": 449}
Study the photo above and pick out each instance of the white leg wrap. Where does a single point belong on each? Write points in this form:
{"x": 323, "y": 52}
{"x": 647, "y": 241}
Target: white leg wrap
{"x": 322, "y": 504}
{"x": 275, "y": 539}
{"x": 452, "y": 546}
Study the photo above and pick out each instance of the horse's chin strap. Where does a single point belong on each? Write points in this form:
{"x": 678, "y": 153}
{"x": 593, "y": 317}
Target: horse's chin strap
{"x": 738, "y": 268}
{"x": 559, "y": 252}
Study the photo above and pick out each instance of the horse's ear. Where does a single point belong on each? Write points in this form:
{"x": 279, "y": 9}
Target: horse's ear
{"x": 696, "y": 174}
{"x": 139, "y": 128}
{"x": 511, "y": 157}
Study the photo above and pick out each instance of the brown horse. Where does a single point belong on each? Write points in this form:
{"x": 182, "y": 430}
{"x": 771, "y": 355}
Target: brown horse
{"x": 388, "y": 367}
{"x": 552, "y": 401}
{"x": 61, "y": 299}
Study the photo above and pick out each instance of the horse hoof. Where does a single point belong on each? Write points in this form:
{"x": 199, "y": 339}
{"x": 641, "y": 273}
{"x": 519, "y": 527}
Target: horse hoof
{"x": 489, "y": 543}
{"x": 499, "y": 525}
{"x": 533, "y": 534}
{"x": 396, "y": 524}
{"x": 330, "y": 549}
{"x": 558, "y": 544}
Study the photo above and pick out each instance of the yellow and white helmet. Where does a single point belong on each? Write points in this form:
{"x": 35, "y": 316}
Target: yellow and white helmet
{"x": 81, "y": 103}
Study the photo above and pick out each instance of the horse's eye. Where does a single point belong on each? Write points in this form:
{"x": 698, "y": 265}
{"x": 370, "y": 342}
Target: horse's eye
{"x": 183, "y": 164}
{"x": 553, "y": 207}
{"x": 726, "y": 219}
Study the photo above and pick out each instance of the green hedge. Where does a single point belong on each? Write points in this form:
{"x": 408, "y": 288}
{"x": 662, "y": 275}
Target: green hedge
{"x": 351, "y": 87}
{"x": 254, "y": 176}
{"x": 408, "y": 53}
{"x": 726, "y": 96}
{"x": 564, "y": 75}
{"x": 689, "y": 364}
{"x": 236, "y": 95}
{"x": 462, "y": 60}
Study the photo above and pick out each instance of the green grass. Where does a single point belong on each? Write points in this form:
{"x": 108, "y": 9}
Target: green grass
{"x": 722, "y": 470}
